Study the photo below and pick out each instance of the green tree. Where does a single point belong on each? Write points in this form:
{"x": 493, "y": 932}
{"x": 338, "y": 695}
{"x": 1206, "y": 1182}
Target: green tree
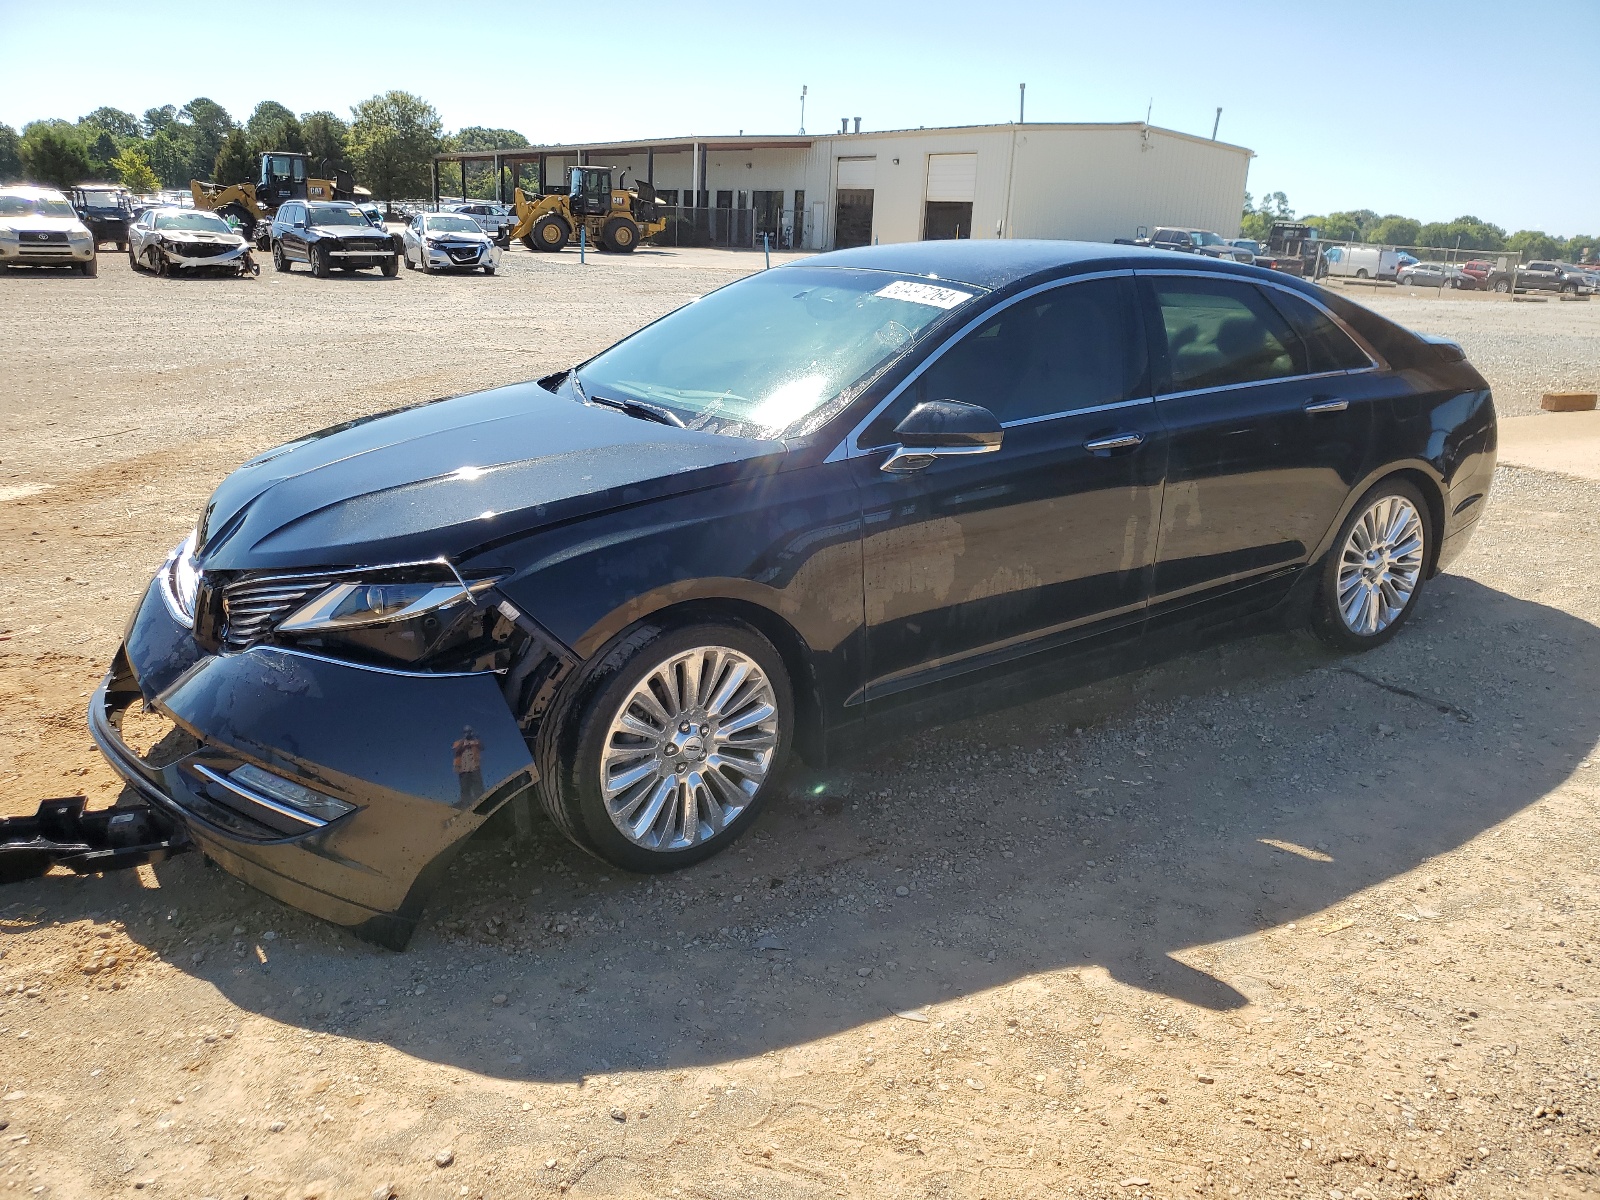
{"x": 265, "y": 117}
{"x": 325, "y": 141}
{"x": 1535, "y": 243}
{"x": 392, "y": 142}
{"x": 480, "y": 176}
{"x": 158, "y": 120}
{"x": 169, "y": 158}
{"x": 119, "y": 124}
{"x": 54, "y": 154}
{"x": 208, "y": 124}
{"x": 1467, "y": 233}
{"x": 1395, "y": 230}
{"x": 10, "y": 155}
{"x": 1344, "y": 226}
{"x": 133, "y": 170}
{"x": 102, "y": 149}
{"x": 1584, "y": 248}
{"x": 236, "y": 163}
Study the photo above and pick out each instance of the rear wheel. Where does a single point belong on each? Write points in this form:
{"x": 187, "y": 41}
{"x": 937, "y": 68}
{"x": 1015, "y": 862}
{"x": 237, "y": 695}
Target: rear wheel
{"x": 1374, "y": 574}
{"x": 1362, "y": 273}
{"x": 620, "y": 235}
{"x": 550, "y": 232}
{"x": 665, "y": 751}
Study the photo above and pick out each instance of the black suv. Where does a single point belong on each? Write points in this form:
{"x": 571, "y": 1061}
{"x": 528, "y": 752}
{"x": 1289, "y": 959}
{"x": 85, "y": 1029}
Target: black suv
{"x": 107, "y": 211}
{"x": 329, "y": 235}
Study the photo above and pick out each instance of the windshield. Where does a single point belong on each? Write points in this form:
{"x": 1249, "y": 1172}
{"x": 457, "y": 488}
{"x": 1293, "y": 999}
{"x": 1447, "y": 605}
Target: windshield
{"x": 1207, "y": 239}
{"x": 203, "y": 222}
{"x": 338, "y": 216}
{"x": 25, "y": 206}
{"x": 765, "y": 352}
{"x": 449, "y": 224}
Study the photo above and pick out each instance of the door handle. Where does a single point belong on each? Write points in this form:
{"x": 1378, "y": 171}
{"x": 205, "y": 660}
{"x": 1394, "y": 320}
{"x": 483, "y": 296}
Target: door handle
{"x": 1325, "y": 405}
{"x": 1117, "y": 441}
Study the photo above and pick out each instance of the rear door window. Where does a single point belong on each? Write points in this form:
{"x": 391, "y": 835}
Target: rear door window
{"x": 1328, "y": 348}
{"x": 1219, "y": 333}
{"x": 1065, "y": 349}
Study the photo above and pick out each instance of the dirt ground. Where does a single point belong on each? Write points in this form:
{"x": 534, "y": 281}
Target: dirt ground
{"x": 1262, "y": 922}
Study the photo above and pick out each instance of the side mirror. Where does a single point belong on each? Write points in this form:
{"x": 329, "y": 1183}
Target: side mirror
{"x": 940, "y": 427}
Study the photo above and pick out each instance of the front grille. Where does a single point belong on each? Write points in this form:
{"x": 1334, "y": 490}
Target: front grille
{"x": 44, "y": 237}
{"x": 463, "y": 254}
{"x": 203, "y": 249}
{"x": 28, "y": 251}
{"x": 252, "y": 607}
{"x": 365, "y": 246}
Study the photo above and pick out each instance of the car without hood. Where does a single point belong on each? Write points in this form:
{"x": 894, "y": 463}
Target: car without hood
{"x": 821, "y": 506}
{"x": 170, "y": 241}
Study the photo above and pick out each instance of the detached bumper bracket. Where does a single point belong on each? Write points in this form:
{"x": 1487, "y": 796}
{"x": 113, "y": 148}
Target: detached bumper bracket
{"x": 61, "y": 834}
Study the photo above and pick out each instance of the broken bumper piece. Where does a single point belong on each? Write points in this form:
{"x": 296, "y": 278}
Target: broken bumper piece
{"x": 337, "y": 788}
{"x": 61, "y": 834}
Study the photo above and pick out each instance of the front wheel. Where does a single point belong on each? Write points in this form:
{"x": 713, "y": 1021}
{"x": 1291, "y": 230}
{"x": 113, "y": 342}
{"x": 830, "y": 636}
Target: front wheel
{"x": 1569, "y": 289}
{"x": 1502, "y": 286}
{"x": 280, "y": 260}
{"x": 92, "y": 267}
{"x": 321, "y": 264}
{"x": 488, "y": 270}
{"x": 390, "y": 267}
{"x": 1374, "y": 574}
{"x": 663, "y": 753}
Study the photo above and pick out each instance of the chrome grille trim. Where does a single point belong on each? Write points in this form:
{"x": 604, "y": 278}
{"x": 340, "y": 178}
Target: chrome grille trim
{"x": 252, "y": 607}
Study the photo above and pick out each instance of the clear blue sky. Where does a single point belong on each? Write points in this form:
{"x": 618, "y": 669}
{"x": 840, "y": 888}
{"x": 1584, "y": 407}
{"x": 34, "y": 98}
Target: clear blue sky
{"x": 1428, "y": 108}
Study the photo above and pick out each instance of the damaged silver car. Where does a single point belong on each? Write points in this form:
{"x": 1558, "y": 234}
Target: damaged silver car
{"x": 172, "y": 240}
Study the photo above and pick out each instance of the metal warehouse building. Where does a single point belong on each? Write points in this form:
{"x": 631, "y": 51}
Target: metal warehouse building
{"x": 1092, "y": 182}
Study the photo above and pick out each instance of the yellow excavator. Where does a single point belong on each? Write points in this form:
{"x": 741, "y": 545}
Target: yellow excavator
{"x": 283, "y": 176}
{"x": 614, "y": 219}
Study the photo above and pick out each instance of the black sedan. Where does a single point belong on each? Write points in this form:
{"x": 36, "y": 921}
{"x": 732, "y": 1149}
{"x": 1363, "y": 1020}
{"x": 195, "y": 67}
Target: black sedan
{"x": 854, "y": 494}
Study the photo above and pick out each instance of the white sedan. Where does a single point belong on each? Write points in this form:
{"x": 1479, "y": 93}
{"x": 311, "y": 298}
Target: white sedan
{"x": 170, "y": 240}
{"x": 448, "y": 242}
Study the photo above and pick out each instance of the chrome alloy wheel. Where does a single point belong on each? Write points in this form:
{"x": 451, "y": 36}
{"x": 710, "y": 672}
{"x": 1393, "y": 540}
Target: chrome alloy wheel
{"x": 1380, "y": 565}
{"x": 689, "y": 748}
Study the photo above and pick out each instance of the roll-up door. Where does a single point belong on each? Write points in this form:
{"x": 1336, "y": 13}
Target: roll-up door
{"x": 952, "y": 178}
{"x": 858, "y": 174}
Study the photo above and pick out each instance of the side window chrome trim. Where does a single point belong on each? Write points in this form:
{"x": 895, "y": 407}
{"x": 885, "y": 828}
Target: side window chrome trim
{"x": 1377, "y": 360}
{"x": 1078, "y": 412}
{"x": 850, "y": 447}
{"x": 1251, "y": 383}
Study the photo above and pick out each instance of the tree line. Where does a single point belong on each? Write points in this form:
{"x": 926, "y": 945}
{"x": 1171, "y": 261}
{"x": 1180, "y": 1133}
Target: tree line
{"x": 1464, "y": 233}
{"x": 388, "y": 144}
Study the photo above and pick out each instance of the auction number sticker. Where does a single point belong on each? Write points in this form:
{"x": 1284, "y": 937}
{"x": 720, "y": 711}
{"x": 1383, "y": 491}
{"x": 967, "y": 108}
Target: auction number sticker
{"x": 923, "y": 293}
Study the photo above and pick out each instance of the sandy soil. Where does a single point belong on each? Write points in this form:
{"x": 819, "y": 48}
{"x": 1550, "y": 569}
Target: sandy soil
{"x": 1260, "y": 922}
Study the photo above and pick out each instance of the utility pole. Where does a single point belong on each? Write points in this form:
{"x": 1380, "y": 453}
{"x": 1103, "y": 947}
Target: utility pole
{"x": 803, "y": 90}
{"x": 1022, "y": 102}
{"x": 1215, "y": 123}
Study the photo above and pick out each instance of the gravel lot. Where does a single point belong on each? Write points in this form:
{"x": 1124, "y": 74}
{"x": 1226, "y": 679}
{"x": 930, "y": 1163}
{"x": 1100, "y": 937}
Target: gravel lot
{"x": 1261, "y": 922}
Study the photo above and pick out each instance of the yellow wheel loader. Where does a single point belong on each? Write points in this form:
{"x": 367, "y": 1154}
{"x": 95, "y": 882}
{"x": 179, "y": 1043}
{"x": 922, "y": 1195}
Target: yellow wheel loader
{"x": 283, "y": 176}
{"x": 614, "y": 219}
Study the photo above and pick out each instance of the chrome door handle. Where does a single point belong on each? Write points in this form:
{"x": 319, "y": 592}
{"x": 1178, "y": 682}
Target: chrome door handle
{"x": 1327, "y": 406}
{"x": 1117, "y": 441}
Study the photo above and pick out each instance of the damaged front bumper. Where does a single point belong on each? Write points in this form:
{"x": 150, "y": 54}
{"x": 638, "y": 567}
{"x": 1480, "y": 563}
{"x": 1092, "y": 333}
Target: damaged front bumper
{"x": 338, "y": 788}
{"x": 190, "y": 257}
{"x": 61, "y": 834}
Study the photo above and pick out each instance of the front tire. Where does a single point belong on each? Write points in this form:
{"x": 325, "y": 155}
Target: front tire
{"x": 1374, "y": 574}
{"x": 390, "y": 267}
{"x": 1502, "y": 286}
{"x": 321, "y": 265}
{"x": 664, "y": 751}
{"x": 280, "y": 260}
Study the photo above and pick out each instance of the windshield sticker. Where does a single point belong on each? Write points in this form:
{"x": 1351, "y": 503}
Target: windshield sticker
{"x": 923, "y": 293}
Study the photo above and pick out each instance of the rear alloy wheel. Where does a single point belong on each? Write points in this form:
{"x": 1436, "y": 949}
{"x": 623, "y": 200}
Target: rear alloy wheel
{"x": 1374, "y": 574}
{"x": 665, "y": 752}
{"x": 620, "y": 235}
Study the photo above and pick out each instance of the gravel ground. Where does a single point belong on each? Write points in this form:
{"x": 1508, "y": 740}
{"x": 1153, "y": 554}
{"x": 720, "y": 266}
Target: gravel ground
{"x": 1524, "y": 348}
{"x": 1260, "y": 922}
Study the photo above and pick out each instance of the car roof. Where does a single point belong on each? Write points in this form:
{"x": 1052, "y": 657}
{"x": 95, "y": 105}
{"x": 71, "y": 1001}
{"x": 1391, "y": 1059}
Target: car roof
{"x": 994, "y": 264}
{"x": 28, "y": 192}
{"x": 163, "y": 209}
{"x": 331, "y": 203}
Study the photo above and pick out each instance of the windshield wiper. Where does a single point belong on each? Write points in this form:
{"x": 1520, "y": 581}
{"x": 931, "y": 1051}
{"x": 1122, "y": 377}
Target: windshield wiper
{"x": 645, "y": 412}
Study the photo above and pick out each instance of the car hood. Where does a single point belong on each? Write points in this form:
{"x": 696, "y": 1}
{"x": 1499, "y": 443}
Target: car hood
{"x": 37, "y": 224}
{"x": 447, "y": 477}
{"x": 200, "y": 235}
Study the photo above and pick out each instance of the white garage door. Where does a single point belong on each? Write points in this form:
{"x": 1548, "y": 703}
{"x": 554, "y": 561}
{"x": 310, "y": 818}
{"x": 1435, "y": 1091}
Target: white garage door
{"x": 858, "y": 173}
{"x": 952, "y": 177}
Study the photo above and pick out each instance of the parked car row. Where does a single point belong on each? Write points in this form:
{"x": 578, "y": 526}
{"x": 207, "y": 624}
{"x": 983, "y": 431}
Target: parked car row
{"x": 41, "y": 227}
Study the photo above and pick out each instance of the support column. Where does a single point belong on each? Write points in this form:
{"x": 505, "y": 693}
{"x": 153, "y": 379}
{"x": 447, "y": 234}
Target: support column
{"x": 499, "y": 180}
{"x": 694, "y": 176}
{"x": 650, "y": 165}
{"x": 435, "y": 174}
{"x": 463, "y": 179}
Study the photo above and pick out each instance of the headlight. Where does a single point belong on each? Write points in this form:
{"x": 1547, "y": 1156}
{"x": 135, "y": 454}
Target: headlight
{"x": 10, "y": 235}
{"x": 394, "y": 617}
{"x": 74, "y": 235}
{"x": 346, "y": 604}
{"x": 180, "y": 581}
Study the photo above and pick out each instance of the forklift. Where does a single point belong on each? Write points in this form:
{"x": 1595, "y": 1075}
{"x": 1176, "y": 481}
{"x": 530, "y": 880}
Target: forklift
{"x": 614, "y": 219}
{"x": 283, "y": 175}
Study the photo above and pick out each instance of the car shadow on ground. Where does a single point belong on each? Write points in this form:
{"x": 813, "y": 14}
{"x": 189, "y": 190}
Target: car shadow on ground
{"x": 1130, "y": 826}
